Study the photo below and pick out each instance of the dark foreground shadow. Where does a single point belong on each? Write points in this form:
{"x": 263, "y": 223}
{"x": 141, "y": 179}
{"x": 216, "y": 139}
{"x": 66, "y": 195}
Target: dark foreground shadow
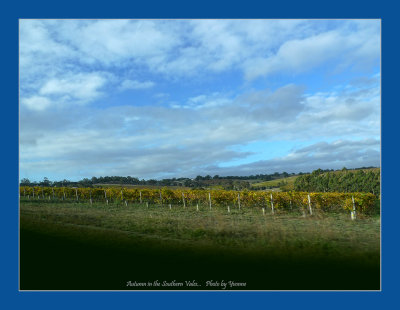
{"x": 59, "y": 258}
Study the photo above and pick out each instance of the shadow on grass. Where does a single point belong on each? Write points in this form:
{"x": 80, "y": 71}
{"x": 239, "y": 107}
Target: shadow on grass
{"x": 62, "y": 257}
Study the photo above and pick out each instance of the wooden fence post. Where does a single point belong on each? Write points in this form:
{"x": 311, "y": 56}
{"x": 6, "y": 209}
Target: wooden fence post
{"x": 353, "y": 213}
{"x": 309, "y": 204}
{"x": 272, "y": 205}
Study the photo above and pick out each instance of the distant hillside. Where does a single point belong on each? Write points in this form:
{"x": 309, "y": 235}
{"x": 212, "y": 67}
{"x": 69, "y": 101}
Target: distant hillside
{"x": 357, "y": 180}
{"x": 288, "y": 183}
{"x": 360, "y": 179}
{"x": 283, "y": 183}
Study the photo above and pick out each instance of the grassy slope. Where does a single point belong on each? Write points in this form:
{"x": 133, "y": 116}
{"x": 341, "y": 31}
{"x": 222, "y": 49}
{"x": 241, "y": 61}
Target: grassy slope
{"x": 78, "y": 246}
{"x": 290, "y": 180}
{"x": 274, "y": 183}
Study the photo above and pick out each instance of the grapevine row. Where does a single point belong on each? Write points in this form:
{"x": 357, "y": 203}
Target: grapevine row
{"x": 363, "y": 202}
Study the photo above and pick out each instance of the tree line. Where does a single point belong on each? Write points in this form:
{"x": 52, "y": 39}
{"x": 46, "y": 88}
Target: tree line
{"x": 198, "y": 182}
{"x": 227, "y": 182}
{"x": 318, "y": 181}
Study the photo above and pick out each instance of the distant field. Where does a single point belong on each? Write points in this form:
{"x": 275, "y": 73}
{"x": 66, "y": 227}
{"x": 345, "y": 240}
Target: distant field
{"x": 140, "y": 186}
{"x": 275, "y": 183}
{"x": 67, "y": 245}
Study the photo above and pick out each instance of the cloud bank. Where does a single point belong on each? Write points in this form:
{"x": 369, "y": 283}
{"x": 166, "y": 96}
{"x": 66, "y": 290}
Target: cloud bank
{"x": 174, "y": 98}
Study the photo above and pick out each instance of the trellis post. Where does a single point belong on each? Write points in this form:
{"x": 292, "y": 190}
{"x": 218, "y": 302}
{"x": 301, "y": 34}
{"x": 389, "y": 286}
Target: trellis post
{"x": 272, "y": 205}
{"x": 309, "y": 204}
{"x": 353, "y": 213}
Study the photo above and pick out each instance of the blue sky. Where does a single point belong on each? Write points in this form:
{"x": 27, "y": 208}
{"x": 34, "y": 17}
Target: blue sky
{"x": 180, "y": 98}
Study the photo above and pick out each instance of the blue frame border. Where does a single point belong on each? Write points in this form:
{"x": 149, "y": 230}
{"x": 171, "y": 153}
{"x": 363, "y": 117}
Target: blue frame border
{"x": 206, "y": 9}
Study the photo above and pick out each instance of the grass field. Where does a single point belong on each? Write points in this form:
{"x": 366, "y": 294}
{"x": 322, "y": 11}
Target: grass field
{"x": 67, "y": 245}
{"x": 275, "y": 183}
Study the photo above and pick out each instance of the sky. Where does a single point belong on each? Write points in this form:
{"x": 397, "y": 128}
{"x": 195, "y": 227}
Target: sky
{"x": 180, "y": 98}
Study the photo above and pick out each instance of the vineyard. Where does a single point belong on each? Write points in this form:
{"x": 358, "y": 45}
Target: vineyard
{"x": 364, "y": 203}
{"x": 107, "y": 236}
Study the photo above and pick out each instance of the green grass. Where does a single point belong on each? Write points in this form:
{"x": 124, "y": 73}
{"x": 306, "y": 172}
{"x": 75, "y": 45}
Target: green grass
{"x": 267, "y": 251}
{"x": 275, "y": 183}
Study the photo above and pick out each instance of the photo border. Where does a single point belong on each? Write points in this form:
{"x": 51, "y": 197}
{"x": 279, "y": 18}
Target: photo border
{"x": 193, "y": 299}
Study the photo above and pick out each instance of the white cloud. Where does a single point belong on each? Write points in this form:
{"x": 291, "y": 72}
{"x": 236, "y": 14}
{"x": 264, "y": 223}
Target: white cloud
{"x": 66, "y": 89}
{"x": 39, "y": 46}
{"x": 334, "y": 155}
{"x": 159, "y": 141}
{"x": 134, "y": 84}
{"x": 194, "y": 47}
{"x": 352, "y": 108}
{"x": 83, "y": 86}
{"x": 41, "y": 55}
{"x": 198, "y": 66}
{"x": 113, "y": 42}
{"x": 301, "y": 55}
{"x": 37, "y": 103}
